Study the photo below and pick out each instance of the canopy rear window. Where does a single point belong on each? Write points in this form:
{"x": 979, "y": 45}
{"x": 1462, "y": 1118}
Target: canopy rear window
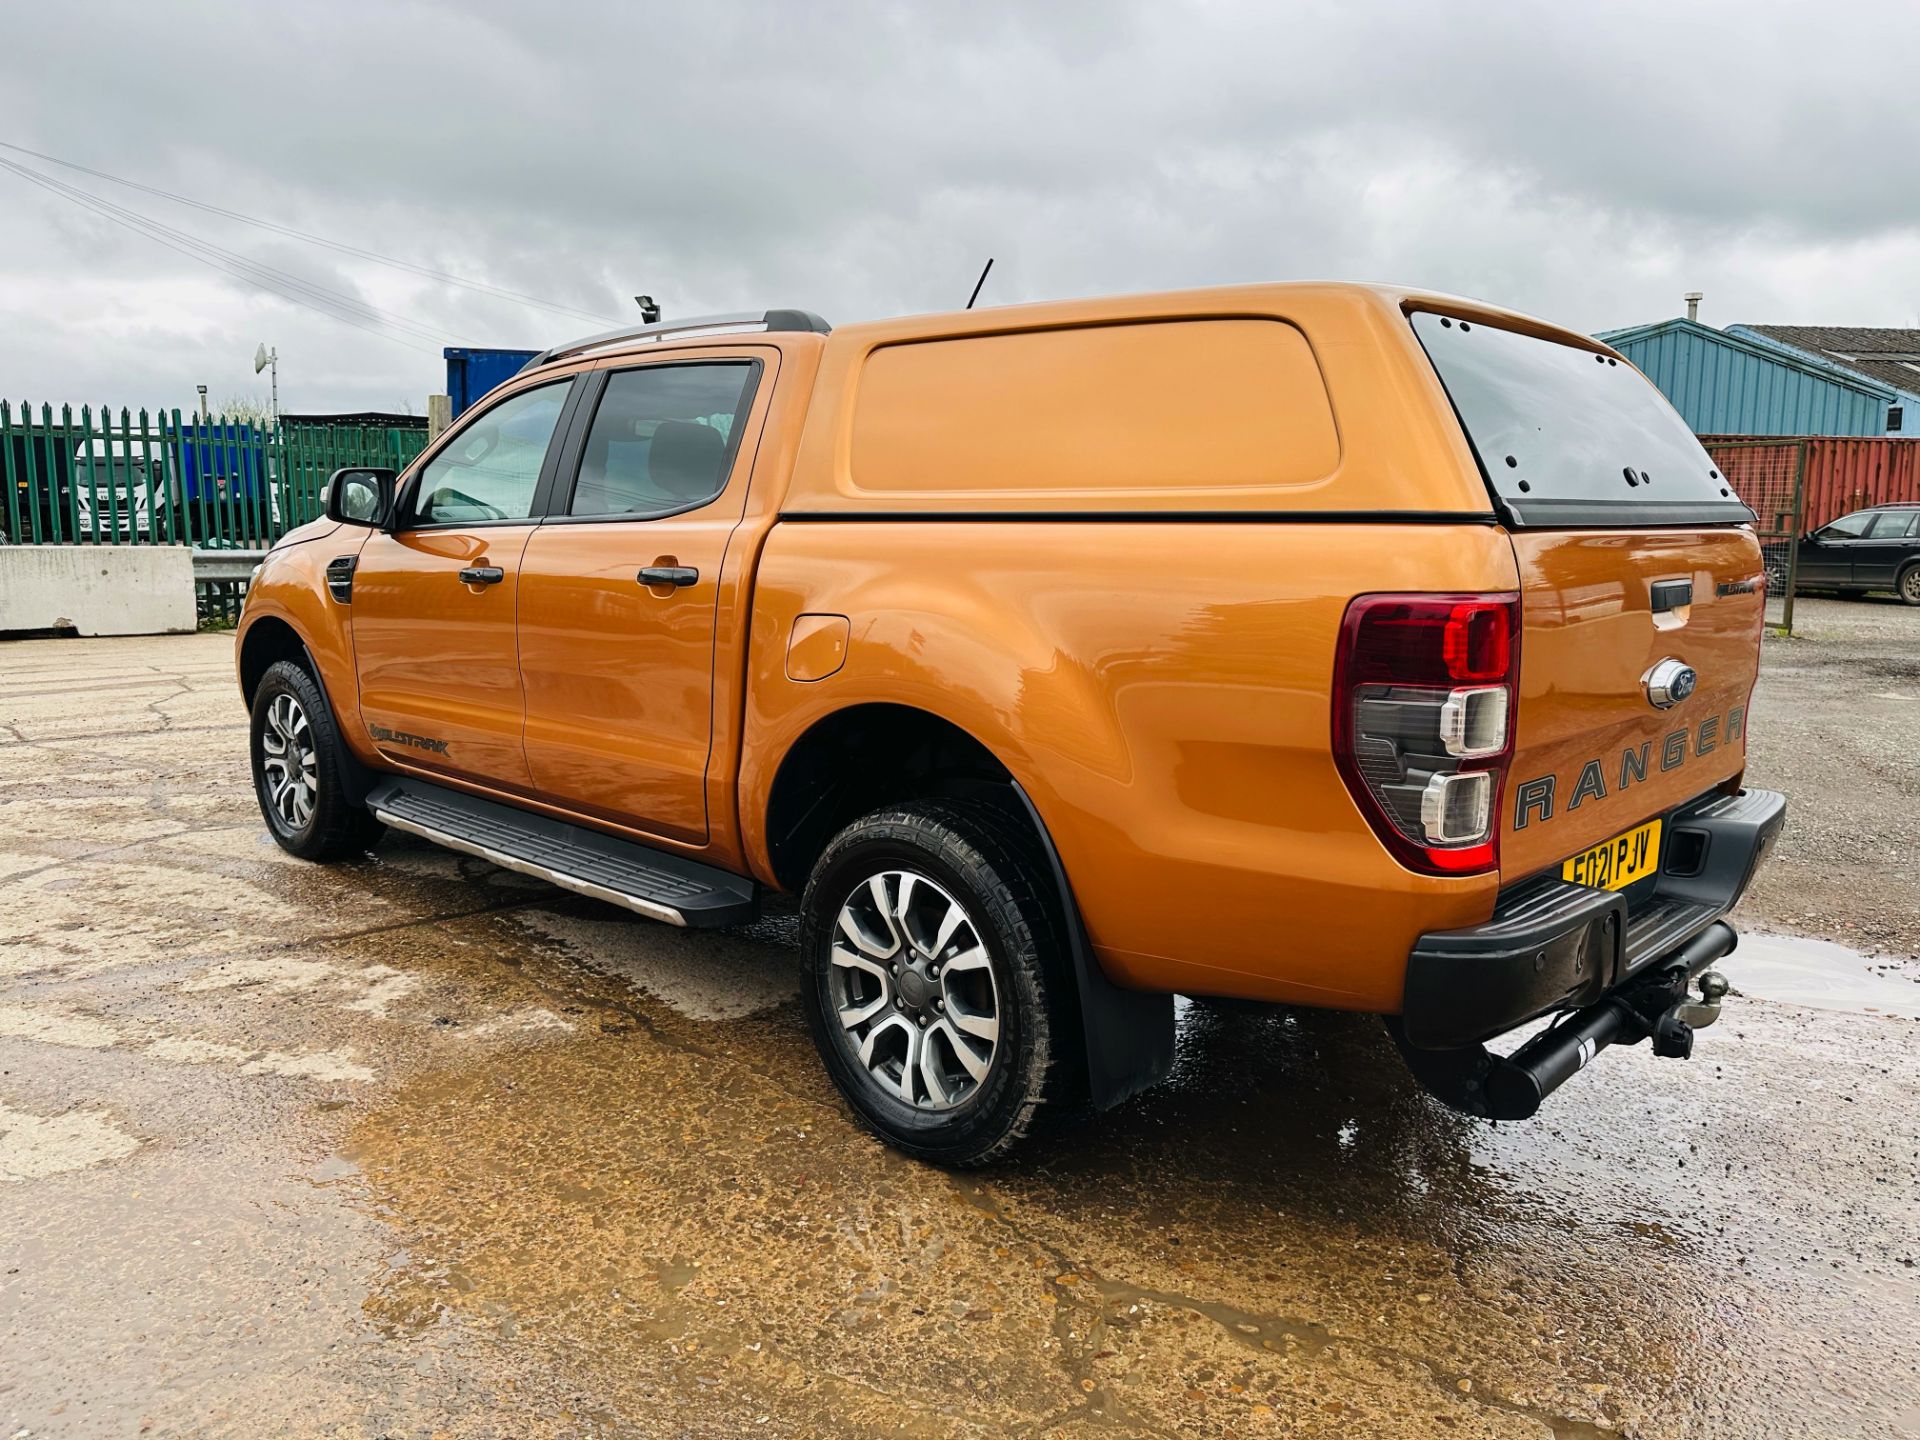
{"x": 1570, "y": 437}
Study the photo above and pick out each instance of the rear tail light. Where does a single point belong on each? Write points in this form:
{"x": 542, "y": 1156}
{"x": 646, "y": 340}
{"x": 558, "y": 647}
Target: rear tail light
{"x": 1423, "y": 710}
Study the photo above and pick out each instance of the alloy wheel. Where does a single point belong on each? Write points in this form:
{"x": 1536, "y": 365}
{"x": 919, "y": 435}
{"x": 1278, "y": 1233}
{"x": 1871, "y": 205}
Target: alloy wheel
{"x": 1910, "y": 586}
{"x": 289, "y": 763}
{"x": 914, "y": 990}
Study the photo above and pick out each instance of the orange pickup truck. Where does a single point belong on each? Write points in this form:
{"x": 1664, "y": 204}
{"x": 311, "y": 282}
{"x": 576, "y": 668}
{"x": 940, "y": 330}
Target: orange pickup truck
{"x": 1324, "y": 645}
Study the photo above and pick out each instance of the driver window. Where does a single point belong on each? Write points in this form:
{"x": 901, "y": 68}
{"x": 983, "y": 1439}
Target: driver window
{"x": 1848, "y": 527}
{"x": 490, "y": 469}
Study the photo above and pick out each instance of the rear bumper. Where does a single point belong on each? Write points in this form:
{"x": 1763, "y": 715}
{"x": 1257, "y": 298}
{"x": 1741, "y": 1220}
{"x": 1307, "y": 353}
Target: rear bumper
{"x": 1555, "y": 946}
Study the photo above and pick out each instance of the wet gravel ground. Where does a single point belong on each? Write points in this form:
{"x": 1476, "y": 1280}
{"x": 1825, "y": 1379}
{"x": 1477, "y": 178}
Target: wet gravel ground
{"x": 1836, "y": 725}
{"x": 415, "y": 1147}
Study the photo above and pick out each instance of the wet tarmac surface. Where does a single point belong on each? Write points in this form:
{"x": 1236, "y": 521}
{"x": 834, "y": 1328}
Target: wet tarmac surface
{"x": 415, "y": 1147}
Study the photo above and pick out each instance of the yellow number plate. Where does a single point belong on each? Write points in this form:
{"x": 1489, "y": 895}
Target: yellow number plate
{"x": 1618, "y": 862}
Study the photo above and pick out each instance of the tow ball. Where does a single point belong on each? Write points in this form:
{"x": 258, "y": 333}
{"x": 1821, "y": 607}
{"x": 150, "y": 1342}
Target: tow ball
{"x": 1704, "y": 1011}
{"x": 1672, "y": 1031}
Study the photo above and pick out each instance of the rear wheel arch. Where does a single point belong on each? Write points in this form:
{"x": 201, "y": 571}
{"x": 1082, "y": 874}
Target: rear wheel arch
{"x": 857, "y": 759}
{"x": 866, "y": 758}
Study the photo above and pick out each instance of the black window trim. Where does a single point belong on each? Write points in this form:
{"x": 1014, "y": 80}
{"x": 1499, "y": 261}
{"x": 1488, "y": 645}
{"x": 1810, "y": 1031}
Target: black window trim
{"x": 561, "y": 498}
{"x": 406, "y": 518}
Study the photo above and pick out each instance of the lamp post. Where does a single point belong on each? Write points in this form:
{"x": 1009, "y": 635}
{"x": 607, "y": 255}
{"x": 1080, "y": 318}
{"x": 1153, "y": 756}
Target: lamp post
{"x": 262, "y": 359}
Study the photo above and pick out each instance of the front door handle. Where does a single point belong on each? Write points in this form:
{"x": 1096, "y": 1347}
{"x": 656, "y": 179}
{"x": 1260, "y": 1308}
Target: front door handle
{"x": 681, "y": 575}
{"x": 482, "y": 575}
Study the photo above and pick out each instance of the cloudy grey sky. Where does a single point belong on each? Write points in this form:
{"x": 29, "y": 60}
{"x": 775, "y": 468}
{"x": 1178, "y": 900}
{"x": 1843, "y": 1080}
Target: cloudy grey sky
{"x": 1587, "y": 162}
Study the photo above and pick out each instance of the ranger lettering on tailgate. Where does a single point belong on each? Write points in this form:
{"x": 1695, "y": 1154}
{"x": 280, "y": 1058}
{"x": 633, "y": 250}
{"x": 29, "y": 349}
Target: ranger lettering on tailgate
{"x": 1534, "y": 799}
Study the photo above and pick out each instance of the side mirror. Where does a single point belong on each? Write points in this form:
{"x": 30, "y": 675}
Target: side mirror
{"x": 360, "y": 496}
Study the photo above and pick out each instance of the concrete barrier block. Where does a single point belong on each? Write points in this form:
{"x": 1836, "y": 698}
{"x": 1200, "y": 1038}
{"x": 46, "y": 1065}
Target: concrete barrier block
{"x": 97, "y": 589}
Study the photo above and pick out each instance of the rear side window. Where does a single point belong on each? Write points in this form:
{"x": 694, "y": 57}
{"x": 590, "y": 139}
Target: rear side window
{"x": 1893, "y": 524}
{"x": 1164, "y": 406}
{"x": 663, "y": 438}
{"x": 1567, "y": 436}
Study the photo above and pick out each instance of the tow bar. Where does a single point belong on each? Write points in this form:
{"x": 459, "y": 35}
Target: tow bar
{"x": 1655, "y": 1005}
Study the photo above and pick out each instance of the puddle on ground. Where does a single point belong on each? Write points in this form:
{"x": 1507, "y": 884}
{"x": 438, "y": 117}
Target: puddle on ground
{"x": 1823, "y": 976}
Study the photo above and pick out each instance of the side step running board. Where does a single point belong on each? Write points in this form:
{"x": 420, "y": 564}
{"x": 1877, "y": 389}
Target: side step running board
{"x": 650, "y": 882}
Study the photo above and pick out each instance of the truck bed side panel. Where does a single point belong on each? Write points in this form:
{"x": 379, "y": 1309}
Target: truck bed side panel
{"x": 1161, "y": 689}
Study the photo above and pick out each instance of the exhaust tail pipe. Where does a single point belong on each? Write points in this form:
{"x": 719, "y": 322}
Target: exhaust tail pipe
{"x": 1517, "y": 1084}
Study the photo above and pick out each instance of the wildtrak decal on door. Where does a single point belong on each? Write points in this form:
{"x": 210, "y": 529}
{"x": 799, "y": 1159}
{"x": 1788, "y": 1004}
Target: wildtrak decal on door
{"x": 401, "y": 737}
{"x": 1534, "y": 799}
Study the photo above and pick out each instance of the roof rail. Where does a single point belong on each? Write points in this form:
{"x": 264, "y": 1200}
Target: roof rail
{"x": 661, "y": 329}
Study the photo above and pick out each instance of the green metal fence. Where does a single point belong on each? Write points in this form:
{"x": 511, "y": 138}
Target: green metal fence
{"x": 107, "y": 477}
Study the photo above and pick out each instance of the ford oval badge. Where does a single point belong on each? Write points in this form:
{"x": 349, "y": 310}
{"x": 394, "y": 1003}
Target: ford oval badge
{"x": 1668, "y": 683}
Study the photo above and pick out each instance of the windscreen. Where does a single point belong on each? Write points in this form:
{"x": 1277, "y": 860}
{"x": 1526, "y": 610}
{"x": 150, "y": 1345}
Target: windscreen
{"x": 1569, "y": 437}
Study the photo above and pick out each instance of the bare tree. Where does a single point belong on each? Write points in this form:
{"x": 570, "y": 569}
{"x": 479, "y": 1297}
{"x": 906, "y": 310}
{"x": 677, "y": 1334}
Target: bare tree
{"x": 246, "y": 407}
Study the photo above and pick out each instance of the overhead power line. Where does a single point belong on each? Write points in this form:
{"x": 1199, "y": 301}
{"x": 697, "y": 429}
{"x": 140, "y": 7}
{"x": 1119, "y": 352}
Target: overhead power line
{"x": 443, "y": 276}
{"x": 335, "y": 304}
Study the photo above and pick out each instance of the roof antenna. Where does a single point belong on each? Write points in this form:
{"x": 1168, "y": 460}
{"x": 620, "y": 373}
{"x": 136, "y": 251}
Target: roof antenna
{"x": 978, "y": 283}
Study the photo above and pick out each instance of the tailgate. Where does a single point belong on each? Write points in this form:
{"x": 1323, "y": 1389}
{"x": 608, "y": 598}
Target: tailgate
{"x": 1633, "y": 553}
{"x": 1593, "y": 755}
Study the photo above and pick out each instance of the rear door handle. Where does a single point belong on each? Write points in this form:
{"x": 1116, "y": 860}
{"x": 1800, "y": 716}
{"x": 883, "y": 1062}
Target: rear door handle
{"x": 482, "y": 575}
{"x": 669, "y": 575}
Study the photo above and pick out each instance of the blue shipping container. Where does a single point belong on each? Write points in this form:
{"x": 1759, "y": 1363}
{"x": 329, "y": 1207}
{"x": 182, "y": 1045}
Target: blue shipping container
{"x": 472, "y": 372}
{"x": 219, "y": 461}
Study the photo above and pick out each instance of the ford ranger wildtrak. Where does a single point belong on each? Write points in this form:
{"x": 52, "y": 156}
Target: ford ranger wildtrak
{"x": 1326, "y": 645}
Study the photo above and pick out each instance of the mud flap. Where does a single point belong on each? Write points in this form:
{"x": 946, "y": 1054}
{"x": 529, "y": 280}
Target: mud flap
{"x": 1128, "y": 1033}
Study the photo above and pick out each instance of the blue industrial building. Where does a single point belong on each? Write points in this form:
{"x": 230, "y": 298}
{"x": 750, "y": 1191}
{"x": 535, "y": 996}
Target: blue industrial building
{"x": 1724, "y": 384}
{"x": 1890, "y": 357}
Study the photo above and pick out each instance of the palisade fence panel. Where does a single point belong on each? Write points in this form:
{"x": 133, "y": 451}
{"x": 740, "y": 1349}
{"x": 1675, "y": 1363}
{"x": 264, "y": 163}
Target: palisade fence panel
{"x": 138, "y": 477}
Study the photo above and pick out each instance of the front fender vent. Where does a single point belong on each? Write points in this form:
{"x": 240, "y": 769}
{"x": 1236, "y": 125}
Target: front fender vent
{"x": 340, "y": 577}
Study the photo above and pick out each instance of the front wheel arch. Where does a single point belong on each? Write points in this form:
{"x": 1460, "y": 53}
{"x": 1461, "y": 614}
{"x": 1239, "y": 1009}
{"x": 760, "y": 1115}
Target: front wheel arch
{"x": 267, "y": 641}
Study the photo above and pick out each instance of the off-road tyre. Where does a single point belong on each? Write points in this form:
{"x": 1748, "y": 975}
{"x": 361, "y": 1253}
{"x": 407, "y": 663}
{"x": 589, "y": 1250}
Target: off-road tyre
{"x": 989, "y": 861}
{"x": 331, "y": 826}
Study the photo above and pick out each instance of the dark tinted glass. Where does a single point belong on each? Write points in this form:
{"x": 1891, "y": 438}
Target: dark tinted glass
{"x": 1570, "y": 437}
{"x": 662, "y": 438}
